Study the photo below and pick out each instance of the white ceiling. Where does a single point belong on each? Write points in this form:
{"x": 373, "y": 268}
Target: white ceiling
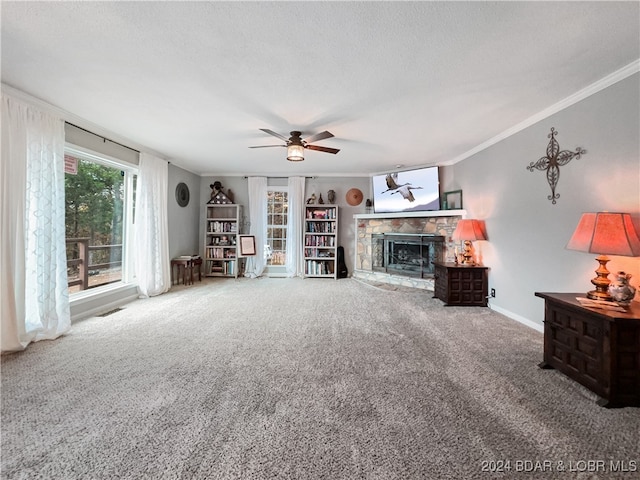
{"x": 397, "y": 83}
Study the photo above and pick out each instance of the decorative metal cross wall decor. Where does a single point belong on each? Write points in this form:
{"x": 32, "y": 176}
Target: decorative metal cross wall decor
{"x": 553, "y": 161}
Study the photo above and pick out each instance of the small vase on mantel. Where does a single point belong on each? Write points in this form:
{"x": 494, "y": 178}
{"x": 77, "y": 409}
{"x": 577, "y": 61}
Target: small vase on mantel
{"x": 621, "y": 290}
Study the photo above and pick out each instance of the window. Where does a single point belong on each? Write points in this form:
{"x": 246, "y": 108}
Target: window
{"x": 99, "y": 194}
{"x": 276, "y": 245}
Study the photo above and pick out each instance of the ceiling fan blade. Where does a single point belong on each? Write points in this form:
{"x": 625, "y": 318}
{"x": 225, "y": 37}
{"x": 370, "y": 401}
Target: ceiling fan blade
{"x": 322, "y": 149}
{"x": 267, "y": 146}
{"x": 318, "y": 136}
{"x": 271, "y": 132}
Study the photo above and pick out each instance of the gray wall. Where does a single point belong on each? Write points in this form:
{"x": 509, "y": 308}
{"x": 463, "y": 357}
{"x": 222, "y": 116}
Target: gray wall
{"x": 183, "y": 221}
{"x": 527, "y": 234}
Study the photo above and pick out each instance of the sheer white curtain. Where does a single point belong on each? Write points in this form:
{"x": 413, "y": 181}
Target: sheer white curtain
{"x": 258, "y": 224}
{"x": 295, "y": 224}
{"x": 153, "y": 265}
{"x": 34, "y": 296}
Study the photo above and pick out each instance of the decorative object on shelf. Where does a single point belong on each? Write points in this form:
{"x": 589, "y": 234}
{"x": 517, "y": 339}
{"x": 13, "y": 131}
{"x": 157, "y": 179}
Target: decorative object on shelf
{"x": 605, "y": 233}
{"x": 312, "y": 199}
{"x": 182, "y": 194}
{"x": 296, "y": 145}
{"x": 218, "y": 196}
{"x": 331, "y": 196}
{"x": 354, "y": 197}
{"x": 468, "y": 230}
{"x": 320, "y": 200}
{"x": 452, "y": 200}
{"x": 368, "y": 205}
{"x": 552, "y": 161}
{"x": 216, "y": 187}
{"x": 621, "y": 290}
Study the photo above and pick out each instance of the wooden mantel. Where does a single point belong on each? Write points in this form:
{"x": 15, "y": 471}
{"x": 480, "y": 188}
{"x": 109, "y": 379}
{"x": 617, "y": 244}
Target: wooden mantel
{"x": 422, "y": 214}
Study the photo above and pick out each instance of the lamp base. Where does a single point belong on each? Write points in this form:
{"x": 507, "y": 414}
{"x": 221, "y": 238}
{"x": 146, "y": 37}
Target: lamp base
{"x": 601, "y": 281}
{"x": 467, "y": 254}
{"x": 596, "y": 295}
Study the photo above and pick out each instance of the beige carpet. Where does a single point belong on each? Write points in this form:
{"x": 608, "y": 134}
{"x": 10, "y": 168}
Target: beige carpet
{"x": 301, "y": 379}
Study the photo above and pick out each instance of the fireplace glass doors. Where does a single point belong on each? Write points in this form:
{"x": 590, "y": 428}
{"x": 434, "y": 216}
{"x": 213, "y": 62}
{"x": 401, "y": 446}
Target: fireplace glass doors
{"x": 410, "y": 255}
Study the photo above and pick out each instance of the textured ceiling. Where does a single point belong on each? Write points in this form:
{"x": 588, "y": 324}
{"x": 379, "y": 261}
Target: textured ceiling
{"x": 409, "y": 83}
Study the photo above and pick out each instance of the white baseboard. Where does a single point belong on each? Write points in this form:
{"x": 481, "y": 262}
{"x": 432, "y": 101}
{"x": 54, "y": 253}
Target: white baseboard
{"x": 518, "y": 318}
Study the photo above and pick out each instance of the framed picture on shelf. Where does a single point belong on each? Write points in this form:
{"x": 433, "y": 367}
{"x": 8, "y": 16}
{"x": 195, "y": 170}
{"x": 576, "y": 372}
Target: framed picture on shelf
{"x": 247, "y": 245}
{"x": 452, "y": 200}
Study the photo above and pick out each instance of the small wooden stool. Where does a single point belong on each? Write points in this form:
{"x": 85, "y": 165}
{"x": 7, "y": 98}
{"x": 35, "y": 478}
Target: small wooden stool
{"x": 183, "y": 264}
{"x": 196, "y": 262}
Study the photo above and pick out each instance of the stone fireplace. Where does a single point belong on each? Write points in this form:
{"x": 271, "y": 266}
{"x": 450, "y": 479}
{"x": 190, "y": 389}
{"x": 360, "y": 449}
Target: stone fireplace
{"x": 401, "y": 248}
{"x": 406, "y": 254}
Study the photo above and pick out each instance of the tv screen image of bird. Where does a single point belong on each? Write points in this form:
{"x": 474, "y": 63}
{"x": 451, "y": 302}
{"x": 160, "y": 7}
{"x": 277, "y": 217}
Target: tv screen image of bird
{"x": 408, "y": 191}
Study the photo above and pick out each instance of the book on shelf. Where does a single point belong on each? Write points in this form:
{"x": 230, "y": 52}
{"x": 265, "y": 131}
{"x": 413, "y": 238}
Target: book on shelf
{"x": 222, "y": 227}
{"x": 215, "y": 268}
{"x": 319, "y": 267}
{"x": 321, "y": 213}
{"x": 321, "y": 227}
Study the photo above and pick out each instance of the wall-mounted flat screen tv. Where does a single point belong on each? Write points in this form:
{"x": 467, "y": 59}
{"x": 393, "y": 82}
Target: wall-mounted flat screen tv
{"x": 408, "y": 191}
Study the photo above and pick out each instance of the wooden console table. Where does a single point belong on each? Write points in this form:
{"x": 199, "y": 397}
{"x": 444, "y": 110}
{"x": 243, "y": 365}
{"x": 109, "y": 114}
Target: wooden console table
{"x": 599, "y": 349}
{"x": 462, "y": 285}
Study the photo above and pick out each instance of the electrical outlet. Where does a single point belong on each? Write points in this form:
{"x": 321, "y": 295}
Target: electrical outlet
{"x": 493, "y": 293}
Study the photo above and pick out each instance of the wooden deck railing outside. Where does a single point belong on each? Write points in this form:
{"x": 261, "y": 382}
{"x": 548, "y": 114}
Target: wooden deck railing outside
{"x": 84, "y": 267}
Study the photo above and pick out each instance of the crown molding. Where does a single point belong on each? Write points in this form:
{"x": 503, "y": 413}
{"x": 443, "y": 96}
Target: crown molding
{"x": 615, "y": 77}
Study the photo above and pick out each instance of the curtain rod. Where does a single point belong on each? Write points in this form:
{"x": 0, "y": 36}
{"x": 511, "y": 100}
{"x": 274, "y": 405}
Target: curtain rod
{"x": 105, "y": 139}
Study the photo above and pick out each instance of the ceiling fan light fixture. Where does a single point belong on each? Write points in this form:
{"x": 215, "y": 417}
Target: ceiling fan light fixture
{"x": 296, "y": 145}
{"x": 295, "y": 153}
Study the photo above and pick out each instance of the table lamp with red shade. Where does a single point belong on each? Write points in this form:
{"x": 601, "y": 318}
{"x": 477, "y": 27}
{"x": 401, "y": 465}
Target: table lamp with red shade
{"x": 605, "y": 233}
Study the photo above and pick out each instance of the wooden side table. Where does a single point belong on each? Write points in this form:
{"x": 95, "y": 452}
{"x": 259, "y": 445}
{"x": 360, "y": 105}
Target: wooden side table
{"x": 187, "y": 266}
{"x": 462, "y": 285}
{"x": 196, "y": 262}
{"x": 597, "y": 348}
{"x": 181, "y": 265}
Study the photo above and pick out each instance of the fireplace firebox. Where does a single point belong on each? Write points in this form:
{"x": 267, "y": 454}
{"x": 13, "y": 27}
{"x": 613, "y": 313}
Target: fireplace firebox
{"x": 411, "y": 255}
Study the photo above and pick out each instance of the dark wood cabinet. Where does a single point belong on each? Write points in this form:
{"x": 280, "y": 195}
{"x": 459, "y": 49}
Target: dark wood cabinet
{"x": 599, "y": 349}
{"x": 461, "y": 285}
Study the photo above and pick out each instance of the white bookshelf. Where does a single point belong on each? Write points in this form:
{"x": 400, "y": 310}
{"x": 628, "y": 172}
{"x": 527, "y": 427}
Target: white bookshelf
{"x": 320, "y": 241}
{"x": 222, "y": 227}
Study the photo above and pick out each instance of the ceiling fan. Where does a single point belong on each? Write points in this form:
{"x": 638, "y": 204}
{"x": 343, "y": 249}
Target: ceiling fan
{"x": 296, "y": 145}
